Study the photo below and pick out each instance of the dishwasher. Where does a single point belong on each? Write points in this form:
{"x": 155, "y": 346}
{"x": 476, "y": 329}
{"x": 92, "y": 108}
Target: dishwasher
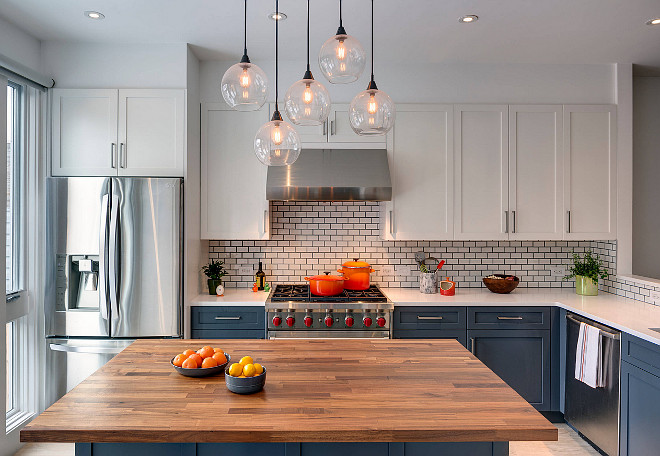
{"x": 594, "y": 412}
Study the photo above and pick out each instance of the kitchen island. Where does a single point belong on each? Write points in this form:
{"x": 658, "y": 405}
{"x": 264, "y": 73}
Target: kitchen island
{"x": 322, "y": 397}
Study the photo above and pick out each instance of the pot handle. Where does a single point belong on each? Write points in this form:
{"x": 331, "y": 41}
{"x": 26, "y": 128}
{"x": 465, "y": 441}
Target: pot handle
{"x": 340, "y": 270}
{"x": 372, "y": 270}
{"x": 308, "y": 279}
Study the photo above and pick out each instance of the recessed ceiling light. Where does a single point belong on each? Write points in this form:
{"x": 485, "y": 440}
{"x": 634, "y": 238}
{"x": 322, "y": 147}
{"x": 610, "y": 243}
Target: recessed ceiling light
{"x": 467, "y": 19}
{"x": 94, "y": 15}
{"x": 277, "y": 16}
{"x": 655, "y": 21}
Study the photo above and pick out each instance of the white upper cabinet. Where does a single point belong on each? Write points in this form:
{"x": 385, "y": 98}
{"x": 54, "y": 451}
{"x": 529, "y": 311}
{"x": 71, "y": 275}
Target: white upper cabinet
{"x": 481, "y": 172}
{"x": 84, "y": 141}
{"x": 421, "y": 166}
{"x": 151, "y": 132}
{"x": 110, "y": 132}
{"x": 535, "y": 172}
{"x": 234, "y": 204}
{"x": 590, "y": 172}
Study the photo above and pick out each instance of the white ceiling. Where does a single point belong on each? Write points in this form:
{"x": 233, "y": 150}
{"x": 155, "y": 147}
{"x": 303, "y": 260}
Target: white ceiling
{"x": 534, "y": 31}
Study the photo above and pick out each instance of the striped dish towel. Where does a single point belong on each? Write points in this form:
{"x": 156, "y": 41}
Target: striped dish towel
{"x": 589, "y": 357}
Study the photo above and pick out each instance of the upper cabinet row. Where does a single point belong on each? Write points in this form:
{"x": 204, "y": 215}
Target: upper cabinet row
{"x": 498, "y": 172}
{"x": 111, "y": 132}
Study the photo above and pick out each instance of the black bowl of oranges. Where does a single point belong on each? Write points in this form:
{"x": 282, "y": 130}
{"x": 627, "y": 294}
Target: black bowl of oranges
{"x": 245, "y": 376}
{"x": 201, "y": 363}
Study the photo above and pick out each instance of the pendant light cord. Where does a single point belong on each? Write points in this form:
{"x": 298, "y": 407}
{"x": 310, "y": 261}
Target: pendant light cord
{"x": 372, "y": 40}
{"x": 245, "y": 28}
{"x": 308, "y": 35}
{"x": 277, "y": 50}
{"x": 340, "y": 24}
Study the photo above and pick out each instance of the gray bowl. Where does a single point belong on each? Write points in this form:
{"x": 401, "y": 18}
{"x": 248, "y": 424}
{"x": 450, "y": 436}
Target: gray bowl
{"x": 247, "y": 385}
{"x": 202, "y": 371}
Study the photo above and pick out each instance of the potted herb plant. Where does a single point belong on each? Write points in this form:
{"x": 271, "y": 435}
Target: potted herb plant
{"x": 587, "y": 270}
{"x": 215, "y": 271}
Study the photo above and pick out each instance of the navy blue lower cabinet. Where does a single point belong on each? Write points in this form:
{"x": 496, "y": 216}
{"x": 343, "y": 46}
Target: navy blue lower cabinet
{"x": 430, "y": 323}
{"x": 519, "y": 357}
{"x": 227, "y": 334}
{"x": 459, "y": 335}
{"x": 228, "y": 322}
{"x": 640, "y": 412}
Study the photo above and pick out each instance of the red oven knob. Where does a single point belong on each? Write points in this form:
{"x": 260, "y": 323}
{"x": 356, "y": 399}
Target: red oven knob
{"x": 328, "y": 321}
{"x": 308, "y": 321}
{"x": 380, "y": 321}
{"x": 290, "y": 321}
{"x": 367, "y": 321}
{"x": 349, "y": 321}
{"x": 277, "y": 320}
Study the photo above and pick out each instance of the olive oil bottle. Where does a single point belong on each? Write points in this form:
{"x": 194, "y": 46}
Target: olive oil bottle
{"x": 260, "y": 278}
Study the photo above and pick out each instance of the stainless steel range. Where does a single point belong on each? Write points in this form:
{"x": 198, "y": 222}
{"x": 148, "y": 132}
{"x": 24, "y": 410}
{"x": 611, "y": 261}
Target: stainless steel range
{"x": 293, "y": 312}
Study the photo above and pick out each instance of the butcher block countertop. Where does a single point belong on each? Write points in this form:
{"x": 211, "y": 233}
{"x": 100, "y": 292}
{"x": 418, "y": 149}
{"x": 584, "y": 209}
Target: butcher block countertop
{"x": 316, "y": 391}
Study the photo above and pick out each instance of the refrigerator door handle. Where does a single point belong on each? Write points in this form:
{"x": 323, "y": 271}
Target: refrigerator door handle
{"x": 90, "y": 349}
{"x": 112, "y": 261}
{"x": 103, "y": 260}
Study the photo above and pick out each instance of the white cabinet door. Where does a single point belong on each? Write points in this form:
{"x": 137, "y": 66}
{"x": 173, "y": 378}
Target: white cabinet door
{"x": 340, "y": 131}
{"x": 535, "y": 172}
{"x": 481, "y": 177}
{"x": 84, "y": 133}
{"x": 590, "y": 171}
{"x": 421, "y": 160}
{"x": 151, "y": 132}
{"x": 234, "y": 204}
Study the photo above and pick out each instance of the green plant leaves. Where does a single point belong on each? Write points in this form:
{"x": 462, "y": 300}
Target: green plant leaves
{"x": 590, "y": 265}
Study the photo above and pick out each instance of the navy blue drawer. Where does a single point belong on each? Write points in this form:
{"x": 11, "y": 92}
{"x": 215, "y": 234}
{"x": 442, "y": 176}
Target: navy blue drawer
{"x": 228, "y": 334}
{"x": 641, "y": 353}
{"x": 415, "y": 318}
{"x": 508, "y": 318}
{"x": 228, "y": 317}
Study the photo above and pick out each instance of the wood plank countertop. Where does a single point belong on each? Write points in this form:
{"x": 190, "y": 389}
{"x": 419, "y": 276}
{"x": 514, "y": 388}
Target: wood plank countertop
{"x": 316, "y": 391}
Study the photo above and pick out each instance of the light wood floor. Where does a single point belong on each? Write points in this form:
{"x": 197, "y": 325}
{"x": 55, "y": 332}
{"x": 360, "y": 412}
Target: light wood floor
{"x": 569, "y": 444}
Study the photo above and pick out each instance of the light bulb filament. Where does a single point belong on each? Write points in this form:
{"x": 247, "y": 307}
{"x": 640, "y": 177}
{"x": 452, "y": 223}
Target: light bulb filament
{"x": 245, "y": 79}
{"x": 308, "y": 95}
{"x": 372, "y": 106}
{"x": 341, "y": 50}
{"x": 276, "y": 135}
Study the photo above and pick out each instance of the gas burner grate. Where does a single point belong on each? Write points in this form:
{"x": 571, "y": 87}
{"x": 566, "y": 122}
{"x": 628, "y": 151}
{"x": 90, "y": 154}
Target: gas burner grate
{"x": 372, "y": 294}
{"x": 301, "y": 293}
{"x": 290, "y": 293}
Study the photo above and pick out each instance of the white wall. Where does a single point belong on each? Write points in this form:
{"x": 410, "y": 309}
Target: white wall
{"x": 157, "y": 66}
{"x": 449, "y": 83}
{"x": 20, "y": 46}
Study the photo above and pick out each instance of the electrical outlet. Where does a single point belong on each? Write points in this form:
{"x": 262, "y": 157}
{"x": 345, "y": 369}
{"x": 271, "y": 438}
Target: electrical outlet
{"x": 245, "y": 270}
{"x": 558, "y": 271}
{"x": 387, "y": 270}
{"x": 655, "y": 297}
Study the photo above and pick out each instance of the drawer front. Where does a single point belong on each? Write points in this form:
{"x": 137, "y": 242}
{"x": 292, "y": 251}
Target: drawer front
{"x": 228, "y": 334}
{"x": 508, "y": 318}
{"x": 459, "y": 335}
{"x": 228, "y": 317}
{"x": 641, "y": 353}
{"x": 412, "y": 318}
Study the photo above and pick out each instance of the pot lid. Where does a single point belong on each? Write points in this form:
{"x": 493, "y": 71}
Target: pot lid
{"x": 327, "y": 276}
{"x": 356, "y": 263}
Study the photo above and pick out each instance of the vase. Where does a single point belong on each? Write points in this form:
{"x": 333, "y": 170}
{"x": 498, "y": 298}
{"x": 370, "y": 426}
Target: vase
{"x": 213, "y": 284}
{"x": 428, "y": 282}
{"x": 586, "y": 286}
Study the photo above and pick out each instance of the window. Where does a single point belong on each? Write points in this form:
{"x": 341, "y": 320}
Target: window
{"x": 14, "y": 194}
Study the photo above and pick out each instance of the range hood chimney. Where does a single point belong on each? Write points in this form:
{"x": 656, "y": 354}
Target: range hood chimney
{"x": 332, "y": 175}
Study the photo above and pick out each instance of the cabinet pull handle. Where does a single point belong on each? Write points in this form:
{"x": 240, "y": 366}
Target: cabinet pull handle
{"x": 569, "y": 220}
{"x": 333, "y": 128}
{"x": 113, "y": 154}
{"x": 265, "y": 220}
{"x": 514, "y": 221}
{"x": 506, "y": 218}
{"x": 500, "y": 317}
{"x": 122, "y": 155}
{"x": 473, "y": 344}
{"x": 391, "y": 224}
{"x": 325, "y": 128}
{"x": 228, "y": 318}
{"x": 420, "y": 317}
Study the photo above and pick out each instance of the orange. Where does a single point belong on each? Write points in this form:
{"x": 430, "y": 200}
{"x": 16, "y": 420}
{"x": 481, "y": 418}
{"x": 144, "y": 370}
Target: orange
{"x": 209, "y": 362}
{"x": 189, "y": 363}
{"x": 179, "y": 359}
{"x": 198, "y": 359}
{"x": 246, "y": 360}
{"x": 218, "y": 350}
{"x": 220, "y": 357}
{"x": 188, "y": 352}
{"x": 205, "y": 352}
{"x": 249, "y": 370}
{"x": 235, "y": 370}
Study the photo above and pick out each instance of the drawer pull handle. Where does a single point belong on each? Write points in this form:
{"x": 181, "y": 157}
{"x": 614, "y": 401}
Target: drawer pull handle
{"x": 500, "y": 317}
{"x": 227, "y": 318}
{"x": 419, "y": 317}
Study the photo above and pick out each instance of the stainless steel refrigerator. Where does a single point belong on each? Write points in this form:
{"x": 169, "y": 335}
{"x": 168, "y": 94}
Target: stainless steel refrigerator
{"x": 113, "y": 270}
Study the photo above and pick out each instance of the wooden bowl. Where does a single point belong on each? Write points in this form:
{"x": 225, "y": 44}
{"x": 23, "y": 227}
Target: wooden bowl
{"x": 245, "y": 385}
{"x": 502, "y": 285}
{"x": 201, "y": 371}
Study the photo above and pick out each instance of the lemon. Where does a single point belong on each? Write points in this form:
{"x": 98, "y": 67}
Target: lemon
{"x": 258, "y": 369}
{"x": 235, "y": 370}
{"x": 249, "y": 370}
{"x": 246, "y": 360}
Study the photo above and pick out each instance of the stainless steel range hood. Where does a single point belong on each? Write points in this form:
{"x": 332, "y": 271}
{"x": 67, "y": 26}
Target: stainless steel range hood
{"x": 332, "y": 175}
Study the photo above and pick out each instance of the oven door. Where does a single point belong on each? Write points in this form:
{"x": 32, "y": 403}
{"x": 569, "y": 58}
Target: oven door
{"x": 328, "y": 334}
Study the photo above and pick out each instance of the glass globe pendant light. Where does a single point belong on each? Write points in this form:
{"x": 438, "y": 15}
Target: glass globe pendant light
{"x": 342, "y": 57}
{"x": 244, "y": 85}
{"x": 372, "y": 111}
{"x": 307, "y": 102}
{"x": 277, "y": 143}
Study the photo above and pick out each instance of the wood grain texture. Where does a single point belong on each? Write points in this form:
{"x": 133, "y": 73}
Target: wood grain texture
{"x": 316, "y": 391}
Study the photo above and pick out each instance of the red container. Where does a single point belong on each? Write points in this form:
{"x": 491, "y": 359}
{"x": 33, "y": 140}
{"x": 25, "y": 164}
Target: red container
{"x": 326, "y": 285}
{"x": 357, "y": 274}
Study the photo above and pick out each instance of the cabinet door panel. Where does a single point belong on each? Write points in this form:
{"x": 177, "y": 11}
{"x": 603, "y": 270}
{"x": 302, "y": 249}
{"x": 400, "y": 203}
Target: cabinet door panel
{"x": 640, "y": 412}
{"x": 590, "y": 171}
{"x": 481, "y": 182}
{"x": 340, "y": 131}
{"x": 151, "y": 132}
{"x": 84, "y": 132}
{"x": 234, "y": 204}
{"x": 421, "y": 157}
{"x": 535, "y": 172}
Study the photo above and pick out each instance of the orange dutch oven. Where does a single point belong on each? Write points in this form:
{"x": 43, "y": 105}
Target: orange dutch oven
{"x": 326, "y": 285}
{"x": 357, "y": 274}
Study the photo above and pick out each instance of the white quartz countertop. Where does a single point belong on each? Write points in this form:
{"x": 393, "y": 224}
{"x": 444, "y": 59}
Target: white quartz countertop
{"x": 627, "y": 315}
{"x": 232, "y": 297}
